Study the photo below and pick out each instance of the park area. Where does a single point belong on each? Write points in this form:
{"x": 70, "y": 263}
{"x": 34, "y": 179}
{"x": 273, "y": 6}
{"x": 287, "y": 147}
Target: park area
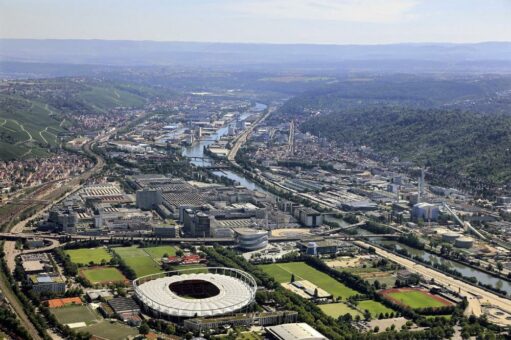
{"x": 85, "y": 256}
{"x": 144, "y": 261}
{"x": 102, "y": 275}
{"x": 414, "y": 298}
{"x": 282, "y": 273}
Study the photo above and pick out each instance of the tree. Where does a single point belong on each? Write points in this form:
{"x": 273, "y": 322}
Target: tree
{"x": 376, "y": 284}
{"x": 376, "y": 329}
{"x": 500, "y": 266}
{"x": 144, "y": 328}
{"x": 367, "y": 315}
{"x": 292, "y": 278}
{"x": 179, "y": 252}
{"x": 316, "y": 294}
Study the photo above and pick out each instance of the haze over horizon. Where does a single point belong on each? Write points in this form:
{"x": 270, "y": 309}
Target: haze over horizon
{"x": 339, "y": 22}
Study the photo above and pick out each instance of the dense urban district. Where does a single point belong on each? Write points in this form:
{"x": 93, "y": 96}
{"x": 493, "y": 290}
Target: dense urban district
{"x": 169, "y": 204}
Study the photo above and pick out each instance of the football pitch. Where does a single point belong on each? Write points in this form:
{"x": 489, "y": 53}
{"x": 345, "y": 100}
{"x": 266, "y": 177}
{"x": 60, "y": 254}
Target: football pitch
{"x": 414, "y": 298}
{"x": 158, "y": 252}
{"x": 103, "y": 275}
{"x": 72, "y": 314}
{"x": 139, "y": 260}
{"x": 374, "y": 307}
{"x": 282, "y": 273}
{"x": 86, "y": 255}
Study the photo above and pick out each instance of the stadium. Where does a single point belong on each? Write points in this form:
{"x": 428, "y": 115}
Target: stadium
{"x": 196, "y": 292}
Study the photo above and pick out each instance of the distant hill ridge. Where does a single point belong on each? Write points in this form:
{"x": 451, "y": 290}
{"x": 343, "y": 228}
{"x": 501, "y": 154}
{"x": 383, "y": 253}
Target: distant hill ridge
{"x": 114, "y": 52}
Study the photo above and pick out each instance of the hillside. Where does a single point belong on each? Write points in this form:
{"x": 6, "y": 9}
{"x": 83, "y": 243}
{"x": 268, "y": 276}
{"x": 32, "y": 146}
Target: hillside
{"x": 457, "y": 146}
{"x": 27, "y": 127}
{"x": 484, "y": 94}
{"x": 34, "y": 113}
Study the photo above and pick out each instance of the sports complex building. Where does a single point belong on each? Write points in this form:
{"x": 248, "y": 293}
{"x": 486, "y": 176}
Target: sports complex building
{"x": 196, "y": 292}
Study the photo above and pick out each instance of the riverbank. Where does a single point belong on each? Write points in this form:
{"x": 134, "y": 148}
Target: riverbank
{"x": 440, "y": 268}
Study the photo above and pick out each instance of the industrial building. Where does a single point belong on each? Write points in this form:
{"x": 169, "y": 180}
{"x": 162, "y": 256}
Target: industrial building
{"x": 425, "y": 211}
{"x": 321, "y": 246}
{"x": 47, "y": 283}
{"x": 148, "y": 198}
{"x": 241, "y": 320}
{"x": 308, "y": 217}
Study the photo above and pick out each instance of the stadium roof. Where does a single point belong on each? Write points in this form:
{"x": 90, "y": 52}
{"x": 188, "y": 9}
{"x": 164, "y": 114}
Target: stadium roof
{"x": 295, "y": 331}
{"x": 236, "y": 290}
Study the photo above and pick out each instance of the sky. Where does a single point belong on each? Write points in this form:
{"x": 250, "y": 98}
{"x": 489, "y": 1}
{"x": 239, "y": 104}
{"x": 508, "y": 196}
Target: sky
{"x": 260, "y": 21}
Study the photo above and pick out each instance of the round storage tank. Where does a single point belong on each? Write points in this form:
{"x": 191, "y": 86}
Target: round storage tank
{"x": 464, "y": 242}
{"x": 450, "y": 237}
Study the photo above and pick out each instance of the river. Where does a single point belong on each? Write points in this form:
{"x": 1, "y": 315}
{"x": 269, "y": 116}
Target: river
{"x": 467, "y": 271}
{"x": 197, "y": 150}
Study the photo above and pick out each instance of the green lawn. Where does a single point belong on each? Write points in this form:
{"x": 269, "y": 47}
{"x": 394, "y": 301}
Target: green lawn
{"x": 337, "y": 309}
{"x": 72, "y": 314}
{"x": 282, "y": 273}
{"x": 193, "y": 268}
{"x": 448, "y": 317}
{"x": 111, "y": 330}
{"x": 157, "y": 252}
{"x": 374, "y": 307}
{"x": 242, "y": 336}
{"x": 103, "y": 275}
{"x": 415, "y": 299}
{"x": 139, "y": 260}
{"x": 86, "y": 255}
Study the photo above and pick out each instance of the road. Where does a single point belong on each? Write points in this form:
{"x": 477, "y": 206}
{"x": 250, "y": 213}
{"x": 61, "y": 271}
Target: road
{"x": 477, "y": 297}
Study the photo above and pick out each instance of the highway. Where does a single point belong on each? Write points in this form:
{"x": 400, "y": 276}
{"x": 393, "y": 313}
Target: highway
{"x": 477, "y": 297}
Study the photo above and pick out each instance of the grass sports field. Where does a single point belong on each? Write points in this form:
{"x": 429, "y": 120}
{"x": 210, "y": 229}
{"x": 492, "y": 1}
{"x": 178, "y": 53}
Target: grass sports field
{"x": 102, "y": 275}
{"x": 158, "y": 252}
{"x": 72, "y": 314}
{"x": 414, "y": 298}
{"x": 374, "y": 307}
{"x": 337, "y": 309}
{"x": 282, "y": 273}
{"x": 86, "y": 255}
{"x": 139, "y": 260}
{"x": 112, "y": 330}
